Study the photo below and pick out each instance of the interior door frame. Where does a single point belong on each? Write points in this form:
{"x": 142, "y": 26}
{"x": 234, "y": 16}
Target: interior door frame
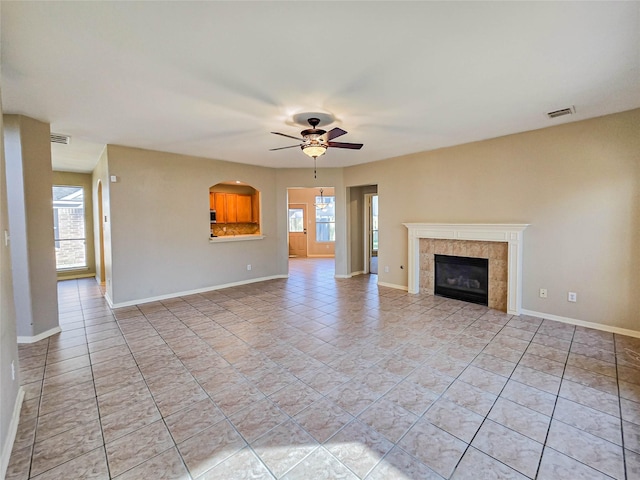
{"x": 305, "y": 210}
{"x": 101, "y": 220}
{"x": 367, "y": 231}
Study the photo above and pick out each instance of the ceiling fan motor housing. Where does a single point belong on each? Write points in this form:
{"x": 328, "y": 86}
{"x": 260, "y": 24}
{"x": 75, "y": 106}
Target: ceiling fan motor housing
{"x": 313, "y": 130}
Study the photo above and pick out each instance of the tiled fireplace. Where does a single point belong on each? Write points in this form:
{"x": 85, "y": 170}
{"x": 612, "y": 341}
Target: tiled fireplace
{"x": 501, "y": 244}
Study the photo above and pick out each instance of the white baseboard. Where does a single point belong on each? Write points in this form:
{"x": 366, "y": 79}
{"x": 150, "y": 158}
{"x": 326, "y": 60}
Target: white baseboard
{"x": 108, "y": 299}
{"x": 328, "y": 255}
{"x": 189, "y": 292}
{"x": 75, "y": 276}
{"x": 582, "y": 323}
{"x": 40, "y": 336}
{"x": 349, "y": 275}
{"x": 393, "y": 285}
{"x": 11, "y": 434}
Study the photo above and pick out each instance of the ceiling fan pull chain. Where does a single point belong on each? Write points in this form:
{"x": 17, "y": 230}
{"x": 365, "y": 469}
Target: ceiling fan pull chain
{"x": 314, "y": 167}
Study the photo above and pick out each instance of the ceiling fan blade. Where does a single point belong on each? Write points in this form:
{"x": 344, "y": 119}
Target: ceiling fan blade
{"x": 288, "y": 136}
{"x": 335, "y": 133}
{"x": 282, "y": 148}
{"x": 352, "y": 146}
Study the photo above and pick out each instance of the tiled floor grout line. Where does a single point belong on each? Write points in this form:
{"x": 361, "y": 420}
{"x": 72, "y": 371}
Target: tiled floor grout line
{"x": 93, "y": 378}
{"x": 249, "y": 444}
{"x": 162, "y": 418}
{"x": 497, "y": 396}
{"x": 44, "y": 377}
{"x": 555, "y": 403}
{"x": 407, "y": 374}
{"x": 439, "y": 396}
{"x": 245, "y": 330}
{"x": 624, "y": 452}
{"x": 38, "y": 409}
{"x": 226, "y": 418}
{"x": 355, "y": 417}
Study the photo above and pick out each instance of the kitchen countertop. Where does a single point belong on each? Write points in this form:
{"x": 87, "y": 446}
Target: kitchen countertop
{"x": 234, "y": 238}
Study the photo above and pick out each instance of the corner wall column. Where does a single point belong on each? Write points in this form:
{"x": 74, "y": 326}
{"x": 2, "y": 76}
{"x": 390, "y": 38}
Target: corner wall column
{"x": 30, "y": 204}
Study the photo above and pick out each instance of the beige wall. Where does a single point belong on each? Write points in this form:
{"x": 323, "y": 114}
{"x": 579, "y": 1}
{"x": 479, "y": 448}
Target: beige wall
{"x": 307, "y": 196}
{"x": 9, "y": 386}
{"x": 577, "y": 184}
{"x": 157, "y": 234}
{"x": 81, "y": 180}
{"x": 159, "y": 225}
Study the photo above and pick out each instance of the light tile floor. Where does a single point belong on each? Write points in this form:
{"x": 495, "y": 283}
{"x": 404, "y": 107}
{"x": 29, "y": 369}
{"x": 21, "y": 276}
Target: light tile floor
{"x": 317, "y": 378}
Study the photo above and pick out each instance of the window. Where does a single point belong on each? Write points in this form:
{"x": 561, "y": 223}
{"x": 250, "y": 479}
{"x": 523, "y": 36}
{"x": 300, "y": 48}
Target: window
{"x": 296, "y": 220}
{"x": 325, "y": 219}
{"x": 68, "y": 227}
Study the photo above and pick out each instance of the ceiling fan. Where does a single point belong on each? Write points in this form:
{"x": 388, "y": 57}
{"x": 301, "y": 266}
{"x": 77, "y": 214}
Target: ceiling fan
{"x": 315, "y": 141}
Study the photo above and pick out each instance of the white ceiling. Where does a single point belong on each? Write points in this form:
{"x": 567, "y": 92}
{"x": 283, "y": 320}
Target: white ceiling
{"x": 212, "y": 79}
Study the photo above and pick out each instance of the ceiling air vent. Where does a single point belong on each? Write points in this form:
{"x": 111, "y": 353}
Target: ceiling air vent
{"x": 561, "y": 112}
{"x": 59, "y": 138}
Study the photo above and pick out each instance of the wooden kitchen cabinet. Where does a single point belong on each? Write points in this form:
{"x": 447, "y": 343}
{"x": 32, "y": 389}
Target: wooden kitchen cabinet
{"x": 221, "y": 207}
{"x": 244, "y": 208}
{"x": 255, "y": 208}
{"x": 234, "y": 207}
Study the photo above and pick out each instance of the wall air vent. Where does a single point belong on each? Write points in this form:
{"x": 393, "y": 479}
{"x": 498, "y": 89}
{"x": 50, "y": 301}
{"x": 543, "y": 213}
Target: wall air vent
{"x": 59, "y": 138}
{"x": 561, "y": 112}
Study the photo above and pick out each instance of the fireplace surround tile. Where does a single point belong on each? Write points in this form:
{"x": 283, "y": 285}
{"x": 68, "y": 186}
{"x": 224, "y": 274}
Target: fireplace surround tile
{"x": 498, "y": 265}
{"x": 501, "y": 244}
{"x": 498, "y": 269}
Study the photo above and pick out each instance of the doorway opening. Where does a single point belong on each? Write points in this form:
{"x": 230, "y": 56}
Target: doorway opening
{"x": 311, "y": 220}
{"x": 371, "y": 233}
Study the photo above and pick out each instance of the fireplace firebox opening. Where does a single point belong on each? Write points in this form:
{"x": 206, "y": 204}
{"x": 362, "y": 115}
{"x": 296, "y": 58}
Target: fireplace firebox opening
{"x": 462, "y": 278}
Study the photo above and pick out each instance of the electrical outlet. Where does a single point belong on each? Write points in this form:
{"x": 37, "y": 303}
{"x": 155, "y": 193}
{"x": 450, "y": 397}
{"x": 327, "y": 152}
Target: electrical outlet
{"x": 386, "y": 269}
{"x": 572, "y": 297}
{"x": 249, "y": 267}
{"x": 13, "y": 369}
{"x": 543, "y": 293}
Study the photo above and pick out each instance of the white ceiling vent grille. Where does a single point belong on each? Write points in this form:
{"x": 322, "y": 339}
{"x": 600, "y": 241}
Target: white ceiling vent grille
{"x": 60, "y": 138}
{"x": 561, "y": 112}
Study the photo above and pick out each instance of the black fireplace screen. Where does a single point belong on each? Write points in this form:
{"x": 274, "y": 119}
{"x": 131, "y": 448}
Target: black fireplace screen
{"x": 462, "y": 278}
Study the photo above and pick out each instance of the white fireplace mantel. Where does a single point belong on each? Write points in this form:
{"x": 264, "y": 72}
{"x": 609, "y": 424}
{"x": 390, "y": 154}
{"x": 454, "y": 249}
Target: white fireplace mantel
{"x": 509, "y": 233}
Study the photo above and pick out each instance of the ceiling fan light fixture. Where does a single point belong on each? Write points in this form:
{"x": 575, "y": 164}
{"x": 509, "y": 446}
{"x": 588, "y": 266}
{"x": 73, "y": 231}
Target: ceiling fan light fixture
{"x": 315, "y": 141}
{"x": 314, "y": 150}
